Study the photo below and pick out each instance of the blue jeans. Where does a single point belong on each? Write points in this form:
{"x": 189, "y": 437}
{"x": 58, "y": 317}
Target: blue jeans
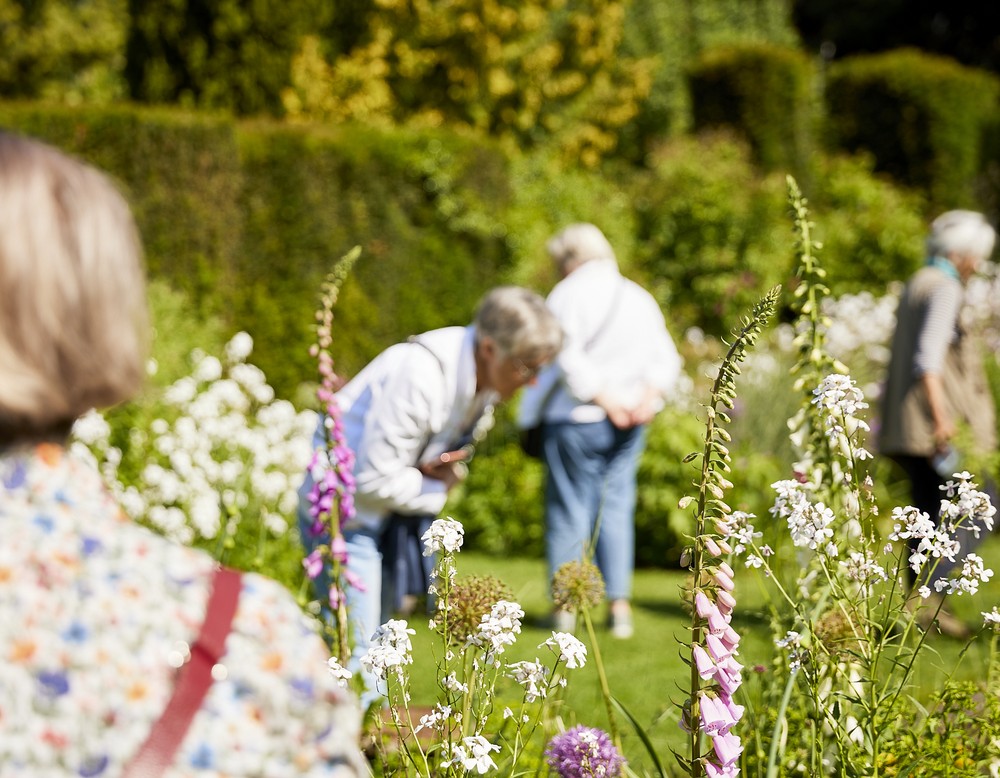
{"x": 366, "y": 609}
{"x": 590, "y": 489}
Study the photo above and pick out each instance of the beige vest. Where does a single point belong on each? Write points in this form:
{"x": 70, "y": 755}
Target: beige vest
{"x": 907, "y": 426}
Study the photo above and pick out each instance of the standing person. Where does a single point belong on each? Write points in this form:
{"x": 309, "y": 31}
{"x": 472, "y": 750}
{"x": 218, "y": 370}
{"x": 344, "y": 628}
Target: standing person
{"x": 123, "y": 652}
{"x": 406, "y": 416}
{"x": 935, "y": 380}
{"x": 594, "y": 403}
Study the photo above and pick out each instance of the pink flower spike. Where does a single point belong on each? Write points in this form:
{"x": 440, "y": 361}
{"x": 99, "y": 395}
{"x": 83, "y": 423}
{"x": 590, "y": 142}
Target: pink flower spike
{"x": 712, "y": 719}
{"x": 726, "y": 569}
{"x": 353, "y": 579}
{"x": 336, "y": 597}
{"x": 731, "y": 637}
{"x": 728, "y": 682}
{"x": 313, "y": 564}
{"x": 725, "y": 581}
{"x": 711, "y": 546}
{"x": 735, "y": 711}
{"x": 728, "y": 748}
{"x": 717, "y": 623}
{"x": 724, "y": 546}
{"x": 725, "y": 600}
{"x": 338, "y": 549}
{"x": 712, "y": 770}
{"x": 703, "y": 662}
{"x": 702, "y": 604}
{"x": 716, "y": 648}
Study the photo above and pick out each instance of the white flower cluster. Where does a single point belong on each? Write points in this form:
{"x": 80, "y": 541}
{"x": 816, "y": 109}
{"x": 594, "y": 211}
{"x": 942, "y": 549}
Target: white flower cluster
{"x": 533, "y": 676}
{"x": 473, "y": 755}
{"x": 219, "y": 445}
{"x": 966, "y": 507}
{"x": 443, "y": 536}
{"x": 498, "y": 629}
{"x": 390, "y": 649}
{"x": 862, "y": 567}
{"x": 934, "y": 542}
{"x": 809, "y": 524}
{"x": 841, "y": 401}
{"x": 568, "y": 648}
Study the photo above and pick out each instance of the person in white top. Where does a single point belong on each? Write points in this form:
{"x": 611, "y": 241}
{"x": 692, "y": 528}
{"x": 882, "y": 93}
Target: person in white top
{"x": 406, "y": 416}
{"x": 594, "y": 403}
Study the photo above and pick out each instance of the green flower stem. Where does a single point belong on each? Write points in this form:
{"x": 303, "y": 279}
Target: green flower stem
{"x": 772, "y": 756}
{"x": 603, "y": 678}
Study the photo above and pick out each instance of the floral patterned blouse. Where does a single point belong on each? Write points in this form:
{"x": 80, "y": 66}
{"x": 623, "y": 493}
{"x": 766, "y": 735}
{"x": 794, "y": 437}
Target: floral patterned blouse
{"x": 95, "y": 612}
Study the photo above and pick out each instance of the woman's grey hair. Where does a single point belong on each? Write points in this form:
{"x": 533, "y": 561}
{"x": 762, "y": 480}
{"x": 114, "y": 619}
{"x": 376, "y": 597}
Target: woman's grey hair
{"x": 579, "y": 243}
{"x": 74, "y": 322}
{"x": 962, "y": 232}
{"x": 520, "y": 323}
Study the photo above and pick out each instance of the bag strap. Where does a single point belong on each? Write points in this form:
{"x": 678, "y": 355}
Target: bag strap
{"x": 193, "y": 680}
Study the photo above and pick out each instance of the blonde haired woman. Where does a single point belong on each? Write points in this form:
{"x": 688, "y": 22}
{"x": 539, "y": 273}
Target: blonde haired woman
{"x": 123, "y": 653}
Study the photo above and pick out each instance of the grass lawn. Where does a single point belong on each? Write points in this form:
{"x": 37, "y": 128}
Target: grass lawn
{"x": 646, "y": 673}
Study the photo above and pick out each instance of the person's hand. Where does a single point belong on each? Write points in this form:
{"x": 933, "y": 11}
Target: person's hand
{"x": 644, "y": 412}
{"x": 450, "y": 468}
{"x": 618, "y": 414}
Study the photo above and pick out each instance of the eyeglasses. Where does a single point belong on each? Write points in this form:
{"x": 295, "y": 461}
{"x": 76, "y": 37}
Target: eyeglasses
{"x": 524, "y": 372}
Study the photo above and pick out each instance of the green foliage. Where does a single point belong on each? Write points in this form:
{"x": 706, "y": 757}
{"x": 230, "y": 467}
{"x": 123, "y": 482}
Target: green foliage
{"x": 63, "y": 51}
{"x": 660, "y": 526}
{"x": 923, "y": 118}
{"x": 673, "y": 33}
{"x": 413, "y": 201}
{"x": 956, "y": 735}
{"x": 871, "y": 230}
{"x": 218, "y": 54}
{"x": 711, "y": 230}
{"x": 544, "y": 71}
{"x": 180, "y": 173}
{"x": 764, "y": 92}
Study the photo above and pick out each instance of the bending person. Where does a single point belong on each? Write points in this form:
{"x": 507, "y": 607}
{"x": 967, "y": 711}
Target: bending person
{"x": 595, "y": 403}
{"x": 407, "y": 414}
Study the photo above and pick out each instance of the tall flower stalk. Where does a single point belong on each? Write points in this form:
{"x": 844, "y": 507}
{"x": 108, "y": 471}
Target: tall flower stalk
{"x": 331, "y": 499}
{"x": 710, "y": 710}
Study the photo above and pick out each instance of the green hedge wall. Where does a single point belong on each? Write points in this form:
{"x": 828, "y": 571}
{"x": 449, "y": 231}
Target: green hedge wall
{"x": 763, "y": 91}
{"x": 180, "y": 172}
{"x": 922, "y": 117}
{"x": 312, "y": 195}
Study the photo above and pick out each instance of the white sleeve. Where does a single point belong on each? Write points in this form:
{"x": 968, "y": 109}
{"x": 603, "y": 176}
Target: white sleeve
{"x": 397, "y": 427}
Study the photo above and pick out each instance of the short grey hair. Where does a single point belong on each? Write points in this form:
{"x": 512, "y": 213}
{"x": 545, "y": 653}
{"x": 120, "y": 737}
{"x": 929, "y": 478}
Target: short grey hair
{"x": 579, "y": 243}
{"x": 963, "y": 232}
{"x": 520, "y": 323}
{"x": 73, "y": 323}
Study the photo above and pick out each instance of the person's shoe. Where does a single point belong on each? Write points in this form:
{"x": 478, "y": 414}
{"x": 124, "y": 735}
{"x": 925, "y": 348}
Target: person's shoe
{"x": 620, "y": 620}
{"x": 563, "y": 621}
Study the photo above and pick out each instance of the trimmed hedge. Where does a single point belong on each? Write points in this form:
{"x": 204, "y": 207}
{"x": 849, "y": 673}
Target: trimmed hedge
{"x": 923, "y": 118}
{"x": 762, "y": 91}
{"x": 312, "y": 195}
{"x": 180, "y": 172}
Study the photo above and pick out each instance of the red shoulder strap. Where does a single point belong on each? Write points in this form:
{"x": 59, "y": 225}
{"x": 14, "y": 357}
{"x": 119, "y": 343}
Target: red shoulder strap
{"x": 193, "y": 680}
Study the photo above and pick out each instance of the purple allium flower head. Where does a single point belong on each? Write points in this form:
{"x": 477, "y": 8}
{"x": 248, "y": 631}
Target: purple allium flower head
{"x": 584, "y": 752}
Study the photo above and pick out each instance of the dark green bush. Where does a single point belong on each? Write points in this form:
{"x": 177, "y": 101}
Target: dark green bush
{"x": 416, "y": 203}
{"x": 921, "y": 116}
{"x": 180, "y": 173}
{"x": 762, "y": 91}
{"x": 713, "y": 232}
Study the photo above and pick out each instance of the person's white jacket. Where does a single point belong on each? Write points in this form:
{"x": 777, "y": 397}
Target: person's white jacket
{"x": 407, "y": 407}
{"x": 617, "y": 344}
